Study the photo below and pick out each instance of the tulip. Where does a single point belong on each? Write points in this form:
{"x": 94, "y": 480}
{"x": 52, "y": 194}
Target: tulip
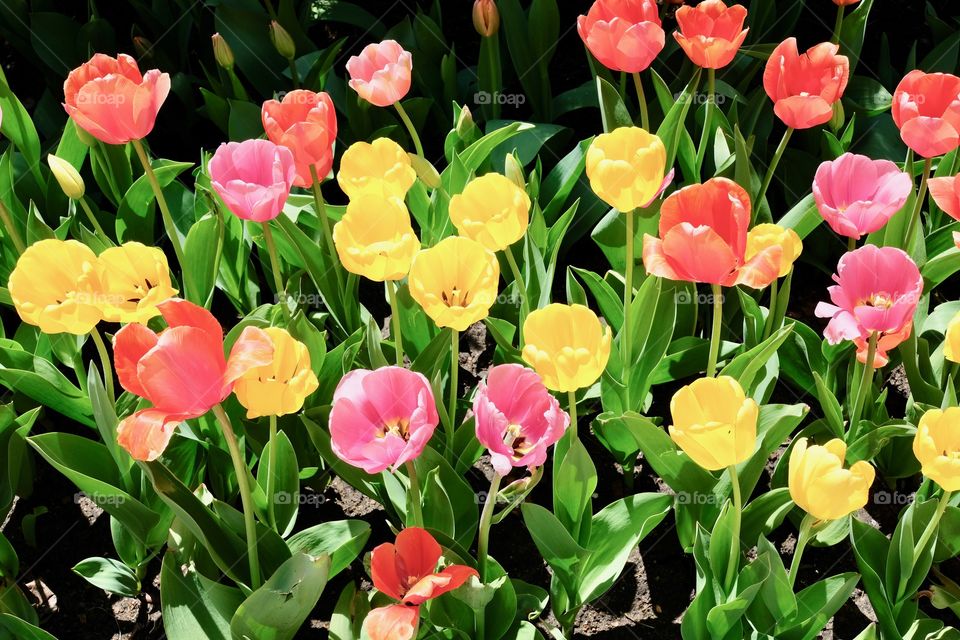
{"x": 804, "y": 87}
{"x": 937, "y": 447}
{"x": 926, "y": 109}
{"x": 951, "y": 341}
{"x": 857, "y": 195}
{"x": 407, "y": 572}
{"x": 491, "y": 210}
{"x": 374, "y": 238}
{"x": 627, "y": 168}
{"x": 516, "y": 418}
{"x": 845, "y": 3}
{"x": 567, "y": 345}
{"x": 306, "y": 123}
{"x": 946, "y": 193}
{"x": 282, "y": 41}
{"x": 182, "y": 372}
{"x": 381, "y": 73}
{"x": 381, "y": 165}
{"x": 711, "y": 33}
{"x": 67, "y": 177}
{"x": 57, "y": 285}
{"x": 714, "y": 422}
{"x": 382, "y": 419}
{"x": 253, "y": 178}
{"x": 222, "y": 52}
{"x": 821, "y": 486}
{"x": 624, "y": 35}
{"x": 764, "y": 236}
{"x": 279, "y": 387}
{"x": 136, "y": 279}
{"x": 110, "y": 99}
{"x": 486, "y": 17}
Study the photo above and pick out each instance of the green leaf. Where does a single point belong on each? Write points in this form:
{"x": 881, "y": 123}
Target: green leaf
{"x": 40, "y": 380}
{"x": 747, "y": 365}
{"x": 286, "y": 482}
{"x": 23, "y": 630}
{"x": 613, "y": 113}
{"x": 867, "y": 95}
{"x": 342, "y": 540}
{"x": 193, "y": 605}
{"x": 202, "y": 252}
{"x": 816, "y": 605}
{"x": 555, "y": 544}
{"x": 574, "y": 484}
{"x": 765, "y": 513}
{"x": 672, "y": 126}
{"x": 110, "y": 575}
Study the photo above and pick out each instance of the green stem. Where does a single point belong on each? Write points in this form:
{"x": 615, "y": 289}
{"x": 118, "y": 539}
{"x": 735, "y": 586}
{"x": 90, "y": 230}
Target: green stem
{"x": 705, "y": 141}
{"x": 915, "y": 214}
{"x": 851, "y": 243}
{"x": 865, "y": 385}
{"x": 641, "y": 98}
{"x": 321, "y": 208}
{"x": 806, "y": 529}
{"x": 768, "y": 178}
{"x": 240, "y": 467}
{"x": 521, "y": 290}
{"x": 410, "y": 128}
{"x": 934, "y": 523}
{"x": 275, "y": 267}
{"x": 105, "y": 362}
{"x": 294, "y": 76}
{"x": 771, "y": 311}
{"x": 392, "y": 288}
{"x": 454, "y": 373}
{"x": 11, "y": 229}
{"x": 483, "y": 537}
{"x": 625, "y": 347}
{"x": 415, "y": 501}
{"x": 572, "y": 401}
{"x": 238, "y": 91}
{"x": 272, "y": 472}
{"x": 838, "y": 25}
{"x": 734, "y": 562}
{"x": 715, "y": 333}
{"x": 162, "y": 203}
{"x": 96, "y": 223}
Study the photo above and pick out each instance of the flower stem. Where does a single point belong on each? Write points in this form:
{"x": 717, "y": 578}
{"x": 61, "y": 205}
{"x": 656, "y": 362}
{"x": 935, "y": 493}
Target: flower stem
{"x": 162, "y": 203}
{"x": 392, "y": 288}
{"x": 240, "y": 467}
{"x": 838, "y": 25}
{"x": 771, "y": 311}
{"x": 851, "y": 243}
{"x": 483, "y": 535}
{"x": 105, "y": 363}
{"x": 275, "y": 267}
{"x": 272, "y": 472}
{"x": 768, "y": 178}
{"x": 454, "y": 373}
{"x": 734, "y": 562}
{"x": 294, "y": 76}
{"x": 642, "y": 99}
{"x": 410, "y": 128}
{"x": 415, "y": 502}
{"x": 11, "y": 229}
{"x": 708, "y": 118}
{"x": 626, "y": 352}
{"x": 96, "y": 223}
{"x": 806, "y": 529}
{"x": 934, "y": 523}
{"x": 915, "y": 214}
{"x": 572, "y": 401}
{"x": 865, "y": 385}
{"x": 715, "y": 334}
{"x": 521, "y": 291}
{"x": 321, "y": 208}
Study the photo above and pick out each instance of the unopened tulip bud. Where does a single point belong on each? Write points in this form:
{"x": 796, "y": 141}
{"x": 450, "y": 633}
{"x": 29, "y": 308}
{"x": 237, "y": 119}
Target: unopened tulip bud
{"x": 142, "y": 46}
{"x": 67, "y": 177}
{"x": 222, "y": 52}
{"x": 282, "y": 41}
{"x": 839, "y": 116}
{"x": 486, "y": 17}
{"x": 465, "y": 122}
{"x": 427, "y": 173}
{"x": 514, "y": 171}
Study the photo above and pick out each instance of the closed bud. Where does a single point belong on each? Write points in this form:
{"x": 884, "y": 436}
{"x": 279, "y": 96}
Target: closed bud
{"x": 222, "y": 52}
{"x": 427, "y": 173}
{"x": 67, "y": 177}
{"x": 465, "y": 122}
{"x": 839, "y": 117}
{"x": 514, "y": 171}
{"x": 142, "y": 46}
{"x": 282, "y": 41}
{"x": 486, "y": 17}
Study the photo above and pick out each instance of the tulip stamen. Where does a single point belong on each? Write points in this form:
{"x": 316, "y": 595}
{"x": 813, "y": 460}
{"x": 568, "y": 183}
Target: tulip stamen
{"x": 399, "y": 427}
{"x": 456, "y": 298}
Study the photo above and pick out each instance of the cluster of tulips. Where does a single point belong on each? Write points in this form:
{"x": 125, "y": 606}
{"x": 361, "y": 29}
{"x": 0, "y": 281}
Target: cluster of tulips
{"x": 372, "y": 419}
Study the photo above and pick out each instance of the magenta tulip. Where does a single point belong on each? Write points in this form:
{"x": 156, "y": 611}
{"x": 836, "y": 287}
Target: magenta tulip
{"x": 253, "y": 177}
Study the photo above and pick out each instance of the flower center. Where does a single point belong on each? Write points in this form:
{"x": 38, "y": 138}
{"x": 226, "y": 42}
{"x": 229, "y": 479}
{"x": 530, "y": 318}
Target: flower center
{"x": 879, "y": 300}
{"x": 455, "y": 298}
{"x": 399, "y": 427}
{"x": 514, "y": 438}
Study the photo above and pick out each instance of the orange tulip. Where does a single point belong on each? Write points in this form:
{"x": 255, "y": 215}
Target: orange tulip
{"x": 804, "y": 87}
{"x": 946, "y": 193}
{"x": 624, "y": 35}
{"x": 306, "y": 123}
{"x": 112, "y": 101}
{"x": 926, "y": 109}
{"x": 845, "y": 3}
{"x": 703, "y": 238}
{"x": 711, "y": 33}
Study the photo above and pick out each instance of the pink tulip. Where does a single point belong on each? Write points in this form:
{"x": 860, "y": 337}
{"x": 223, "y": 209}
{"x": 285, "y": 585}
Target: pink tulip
{"x": 946, "y": 193}
{"x": 517, "y": 418}
{"x": 381, "y": 419}
{"x": 381, "y": 73}
{"x": 624, "y": 35}
{"x": 877, "y": 291}
{"x": 926, "y": 109}
{"x": 857, "y": 195}
{"x": 253, "y": 177}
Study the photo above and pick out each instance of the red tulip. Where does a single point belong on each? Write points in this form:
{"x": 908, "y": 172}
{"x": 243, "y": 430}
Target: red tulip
{"x": 926, "y": 109}
{"x": 306, "y": 123}
{"x": 804, "y": 87}
{"x": 182, "y": 371}
{"x": 711, "y": 33}
{"x": 624, "y": 35}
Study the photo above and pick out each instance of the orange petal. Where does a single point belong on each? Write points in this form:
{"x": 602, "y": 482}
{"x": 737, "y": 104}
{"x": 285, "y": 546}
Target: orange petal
{"x": 383, "y": 569}
{"x": 146, "y": 433}
{"x": 396, "y": 622}
{"x": 130, "y": 344}
{"x": 253, "y": 349}
{"x": 699, "y": 254}
{"x": 761, "y": 269}
{"x": 417, "y": 553}
{"x": 180, "y": 313}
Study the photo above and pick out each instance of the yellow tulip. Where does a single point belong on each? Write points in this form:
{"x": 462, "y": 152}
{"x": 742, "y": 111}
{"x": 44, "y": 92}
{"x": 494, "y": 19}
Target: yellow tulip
{"x": 491, "y": 210}
{"x": 714, "y": 422}
{"x": 57, "y": 285}
{"x": 567, "y": 345}
{"x": 455, "y": 282}
{"x": 381, "y": 165}
{"x": 937, "y": 447}
{"x": 626, "y": 167}
{"x": 951, "y": 343}
{"x": 279, "y": 388}
{"x": 821, "y": 486}
{"x": 67, "y": 176}
{"x": 763, "y": 236}
{"x": 136, "y": 279}
{"x": 374, "y": 238}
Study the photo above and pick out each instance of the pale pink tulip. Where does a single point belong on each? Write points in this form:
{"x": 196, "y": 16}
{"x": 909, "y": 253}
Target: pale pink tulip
{"x": 382, "y": 418}
{"x": 253, "y": 178}
{"x": 516, "y": 417}
{"x": 381, "y": 73}
{"x": 857, "y": 195}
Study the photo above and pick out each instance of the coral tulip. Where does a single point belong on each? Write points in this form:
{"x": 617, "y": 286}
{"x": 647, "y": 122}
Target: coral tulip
{"x": 280, "y": 387}
{"x": 567, "y": 345}
{"x": 491, "y": 210}
{"x": 951, "y": 341}
{"x": 381, "y": 165}
{"x": 804, "y": 87}
{"x": 253, "y": 178}
{"x": 306, "y": 123}
{"x": 381, "y": 73}
{"x": 937, "y": 447}
{"x": 380, "y": 419}
{"x": 714, "y": 422}
{"x": 455, "y": 282}
{"x": 711, "y": 33}
{"x": 926, "y": 109}
{"x": 857, "y": 195}
{"x": 112, "y": 101}
{"x": 627, "y": 168}
{"x": 946, "y": 193}
{"x": 393, "y": 622}
{"x": 624, "y": 35}
{"x": 516, "y": 418}
{"x": 374, "y": 238}
{"x": 845, "y": 3}
{"x": 136, "y": 279}
{"x": 820, "y": 485}
{"x": 764, "y": 236}
{"x": 703, "y": 238}
{"x": 182, "y": 372}
{"x": 486, "y": 17}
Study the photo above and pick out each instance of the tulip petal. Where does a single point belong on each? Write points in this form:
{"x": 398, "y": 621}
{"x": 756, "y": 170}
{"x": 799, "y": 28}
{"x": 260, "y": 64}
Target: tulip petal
{"x": 146, "y": 434}
{"x": 253, "y": 349}
{"x": 130, "y": 344}
{"x": 395, "y": 622}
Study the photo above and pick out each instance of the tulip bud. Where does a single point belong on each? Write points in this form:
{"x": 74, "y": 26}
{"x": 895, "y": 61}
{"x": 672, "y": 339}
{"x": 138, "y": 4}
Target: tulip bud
{"x": 486, "y": 17}
{"x": 514, "y": 171}
{"x": 67, "y": 177}
{"x": 222, "y": 52}
{"x": 427, "y": 173}
{"x": 282, "y": 41}
{"x": 839, "y": 117}
{"x": 465, "y": 122}
{"x": 142, "y": 46}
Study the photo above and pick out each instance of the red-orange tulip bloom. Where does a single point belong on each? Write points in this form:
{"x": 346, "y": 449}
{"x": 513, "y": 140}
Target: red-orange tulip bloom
{"x": 804, "y": 87}
{"x": 306, "y": 123}
{"x": 182, "y": 372}
{"x": 406, "y": 571}
{"x": 703, "y": 238}
{"x": 624, "y": 35}
{"x": 845, "y": 3}
{"x": 926, "y": 109}
{"x": 711, "y": 33}
{"x": 112, "y": 101}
